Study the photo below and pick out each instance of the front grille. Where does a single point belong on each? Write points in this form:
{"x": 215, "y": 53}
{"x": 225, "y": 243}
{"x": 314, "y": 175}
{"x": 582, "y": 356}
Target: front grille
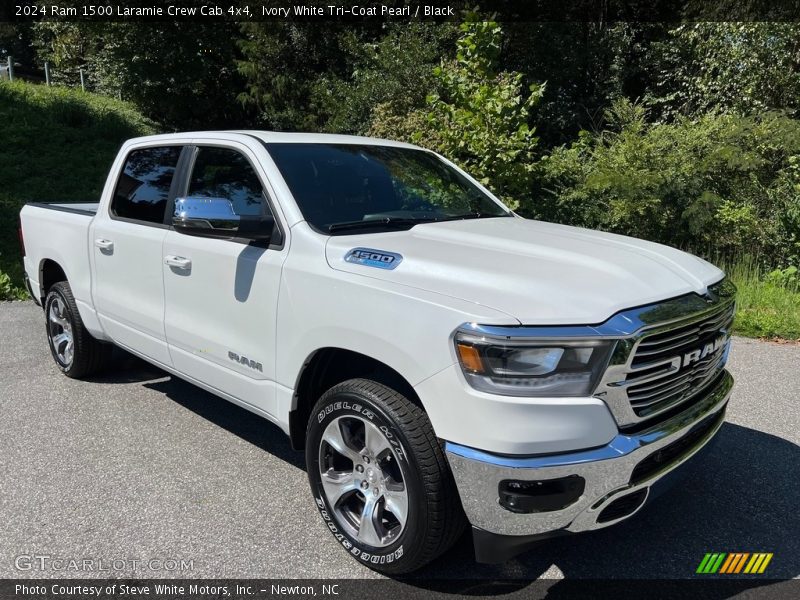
{"x": 665, "y": 344}
{"x": 662, "y": 376}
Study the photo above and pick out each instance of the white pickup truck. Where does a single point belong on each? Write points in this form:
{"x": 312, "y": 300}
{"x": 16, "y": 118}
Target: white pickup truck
{"x": 439, "y": 359}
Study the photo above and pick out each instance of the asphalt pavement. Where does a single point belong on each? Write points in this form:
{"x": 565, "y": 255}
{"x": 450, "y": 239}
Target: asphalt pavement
{"x": 149, "y": 476}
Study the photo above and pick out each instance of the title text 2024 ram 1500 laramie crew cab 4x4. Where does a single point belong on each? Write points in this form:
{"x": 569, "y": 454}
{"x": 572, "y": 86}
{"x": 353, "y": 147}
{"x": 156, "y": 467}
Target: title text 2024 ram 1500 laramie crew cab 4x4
{"x": 440, "y": 359}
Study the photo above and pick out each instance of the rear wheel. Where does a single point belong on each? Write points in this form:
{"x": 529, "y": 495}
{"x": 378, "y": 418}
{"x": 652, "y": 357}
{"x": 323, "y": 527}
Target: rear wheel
{"x": 379, "y": 477}
{"x": 74, "y": 350}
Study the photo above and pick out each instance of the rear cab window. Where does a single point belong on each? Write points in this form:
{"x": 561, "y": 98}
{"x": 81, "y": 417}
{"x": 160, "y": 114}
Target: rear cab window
{"x": 143, "y": 187}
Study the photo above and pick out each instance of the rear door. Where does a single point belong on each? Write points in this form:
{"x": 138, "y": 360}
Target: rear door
{"x": 126, "y": 243}
{"x": 222, "y": 294}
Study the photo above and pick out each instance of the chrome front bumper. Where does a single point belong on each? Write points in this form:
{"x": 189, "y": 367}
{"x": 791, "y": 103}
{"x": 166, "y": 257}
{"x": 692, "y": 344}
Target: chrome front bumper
{"x": 608, "y": 471}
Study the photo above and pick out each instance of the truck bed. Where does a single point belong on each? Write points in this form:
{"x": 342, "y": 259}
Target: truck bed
{"x": 59, "y": 232}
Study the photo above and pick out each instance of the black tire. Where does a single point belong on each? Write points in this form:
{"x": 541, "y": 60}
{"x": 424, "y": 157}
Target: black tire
{"x": 434, "y": 516}
{"x": 88, "y": 355}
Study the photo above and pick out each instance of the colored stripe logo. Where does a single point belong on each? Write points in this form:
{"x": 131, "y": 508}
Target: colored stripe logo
{"x": 731, "y": 563}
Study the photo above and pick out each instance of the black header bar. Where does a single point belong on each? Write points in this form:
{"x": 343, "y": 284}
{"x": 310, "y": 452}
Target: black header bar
{"x": 359, "y": 11}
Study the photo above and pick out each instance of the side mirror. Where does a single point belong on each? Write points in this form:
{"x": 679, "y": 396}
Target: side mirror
{"x": 215, "y": 217}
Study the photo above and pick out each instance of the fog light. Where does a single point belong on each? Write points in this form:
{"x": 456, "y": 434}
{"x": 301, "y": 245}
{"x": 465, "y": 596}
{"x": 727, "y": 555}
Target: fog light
{"x": 540, "y": 496}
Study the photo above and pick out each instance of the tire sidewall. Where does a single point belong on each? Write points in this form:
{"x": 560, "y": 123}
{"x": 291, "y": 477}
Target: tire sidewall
{"x": 339, "y": 403}
{"x": 55, "y": 292}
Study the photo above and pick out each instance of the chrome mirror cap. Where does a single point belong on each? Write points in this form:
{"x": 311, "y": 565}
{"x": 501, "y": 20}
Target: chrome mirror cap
{"x": 207, "y": 214}
{"x": 216, "y": 218}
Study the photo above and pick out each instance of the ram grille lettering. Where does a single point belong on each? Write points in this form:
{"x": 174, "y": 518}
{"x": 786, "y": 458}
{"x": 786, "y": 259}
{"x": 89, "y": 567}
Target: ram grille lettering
{"x": 701, "y": 353}
{"x": 243, "y": 360}
{"x": 369, "y": 257}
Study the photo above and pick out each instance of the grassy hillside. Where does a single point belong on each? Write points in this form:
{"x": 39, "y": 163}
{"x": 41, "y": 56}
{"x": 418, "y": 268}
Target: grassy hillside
{"x": 57, "y": 144}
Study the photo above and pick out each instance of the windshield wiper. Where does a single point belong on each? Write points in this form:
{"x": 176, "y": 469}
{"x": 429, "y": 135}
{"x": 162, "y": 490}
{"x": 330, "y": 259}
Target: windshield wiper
{"x": 386, "y": 222}
{"x": 475, "y": 215}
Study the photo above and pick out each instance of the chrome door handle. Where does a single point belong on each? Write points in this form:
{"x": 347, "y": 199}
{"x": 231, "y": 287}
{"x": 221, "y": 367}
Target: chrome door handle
{"x": 179, "y": 262}
{"x": 104, "y": 244}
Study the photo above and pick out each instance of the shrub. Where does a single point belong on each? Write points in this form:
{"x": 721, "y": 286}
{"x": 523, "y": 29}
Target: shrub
{"x": 787, "y": 278}
{"x": 719, "y": 184}
{"x": 8, "y": 291}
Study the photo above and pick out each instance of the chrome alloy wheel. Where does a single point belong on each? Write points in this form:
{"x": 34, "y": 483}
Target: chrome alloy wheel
{"x": 363, "y": 481}
{"x": 60, "y": 331}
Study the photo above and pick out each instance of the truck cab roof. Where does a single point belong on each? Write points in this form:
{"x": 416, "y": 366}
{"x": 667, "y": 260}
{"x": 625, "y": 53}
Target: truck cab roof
{"x": 275, "y": 137}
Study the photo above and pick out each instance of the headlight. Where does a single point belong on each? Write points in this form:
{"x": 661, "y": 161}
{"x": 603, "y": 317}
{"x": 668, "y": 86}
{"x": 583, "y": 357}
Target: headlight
{"x": 532, "y": 368}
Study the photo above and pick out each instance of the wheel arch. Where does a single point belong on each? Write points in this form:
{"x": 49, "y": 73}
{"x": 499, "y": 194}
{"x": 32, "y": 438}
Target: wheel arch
{"x": 50, "y": 272}
{"x": 324, "y": 368}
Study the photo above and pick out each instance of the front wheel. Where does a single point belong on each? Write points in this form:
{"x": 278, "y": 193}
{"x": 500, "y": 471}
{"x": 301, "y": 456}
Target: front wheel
{"x": 379, "y": 477}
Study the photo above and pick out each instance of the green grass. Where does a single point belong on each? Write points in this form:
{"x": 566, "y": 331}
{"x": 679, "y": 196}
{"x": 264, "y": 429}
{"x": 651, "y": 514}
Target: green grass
{"x": 57, "y": 144}
{"x": 768, "y": 304}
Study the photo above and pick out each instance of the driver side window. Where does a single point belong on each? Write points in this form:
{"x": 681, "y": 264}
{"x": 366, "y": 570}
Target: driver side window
{"x": 226, "y": 173}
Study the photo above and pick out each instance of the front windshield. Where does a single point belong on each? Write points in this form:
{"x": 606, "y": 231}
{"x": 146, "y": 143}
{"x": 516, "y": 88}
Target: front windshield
{"x": 349, "y": 188}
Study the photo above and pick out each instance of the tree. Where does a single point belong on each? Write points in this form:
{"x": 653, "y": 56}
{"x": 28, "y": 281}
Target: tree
{"x": 743, "y": 68}
{"x": 15, "y": 41}
{"x": 68, "y": 47}
{"x": 396, "y": 68}
{"x": 281, "y": 64}
{"x": 184, "y": 77}
{"x": 479, "y": 116}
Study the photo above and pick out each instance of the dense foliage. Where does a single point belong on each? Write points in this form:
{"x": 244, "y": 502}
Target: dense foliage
{"x": 182, "y": 76}
{"x": 478, "y": 116}
{"x": 683, "y": 133}
{"x": 728, "y": 67}
{"x": 718, "y": 184}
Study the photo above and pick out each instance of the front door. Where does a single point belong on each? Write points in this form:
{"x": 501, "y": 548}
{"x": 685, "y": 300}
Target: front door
{"x": 221, "y": 295}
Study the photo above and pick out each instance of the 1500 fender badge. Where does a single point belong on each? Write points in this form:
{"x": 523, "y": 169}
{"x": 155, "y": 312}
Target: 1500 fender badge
{"x": 369, "y": 257}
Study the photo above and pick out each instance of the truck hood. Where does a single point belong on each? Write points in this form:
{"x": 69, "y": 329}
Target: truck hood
{"x": 539, "y": 273}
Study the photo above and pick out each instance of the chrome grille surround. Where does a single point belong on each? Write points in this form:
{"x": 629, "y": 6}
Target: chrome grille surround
{"x": 667, "y": 364}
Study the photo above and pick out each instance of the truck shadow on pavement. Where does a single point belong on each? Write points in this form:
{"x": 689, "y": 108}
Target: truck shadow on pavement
{"x": 127, "y": 368}
{"x": 741, "y": 495}
{"x": 238, "y": 421}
